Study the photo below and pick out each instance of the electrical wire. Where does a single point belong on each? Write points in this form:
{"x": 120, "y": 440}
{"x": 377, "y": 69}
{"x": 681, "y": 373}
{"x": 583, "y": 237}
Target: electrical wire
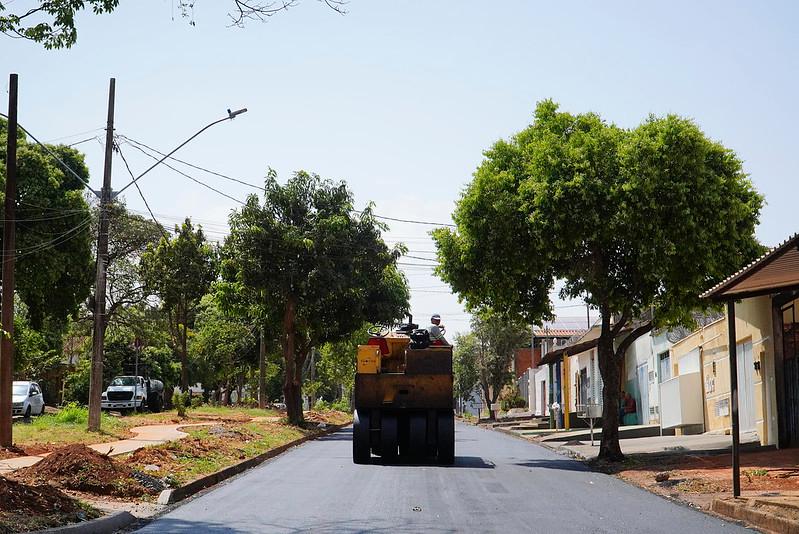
{"x": 192, "y": 178}
{"x": 141, "y": 193}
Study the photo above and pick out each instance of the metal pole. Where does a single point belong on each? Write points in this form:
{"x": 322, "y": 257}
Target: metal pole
{"x": 9, "y": 247}
{"x": 736, "y": 438}
{"x": 96, "y": 381}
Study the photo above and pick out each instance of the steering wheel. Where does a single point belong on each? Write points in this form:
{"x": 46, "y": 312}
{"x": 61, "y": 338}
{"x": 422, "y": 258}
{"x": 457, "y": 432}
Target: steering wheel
{"x": 378, "y": 330}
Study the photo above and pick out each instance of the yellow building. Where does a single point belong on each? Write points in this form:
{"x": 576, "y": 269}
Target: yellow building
{"x": 706, "y": 350}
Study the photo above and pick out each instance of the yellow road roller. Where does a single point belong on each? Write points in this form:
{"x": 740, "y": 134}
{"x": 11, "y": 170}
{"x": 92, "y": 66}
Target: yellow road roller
{"x": 403, "y": 397}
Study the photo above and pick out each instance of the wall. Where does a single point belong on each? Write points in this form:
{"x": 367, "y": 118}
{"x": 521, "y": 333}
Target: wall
{"x": 523, "y": 360}
{"x": 541, "y": 380}
{"x": 753, "y": 325}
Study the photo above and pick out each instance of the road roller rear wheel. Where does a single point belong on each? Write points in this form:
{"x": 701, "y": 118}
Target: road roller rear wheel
{"x": 388, "y": 437}
{"x": 360, "y": 437}
{"x": 446, "y": 438}
{"x": 418, "y": 435}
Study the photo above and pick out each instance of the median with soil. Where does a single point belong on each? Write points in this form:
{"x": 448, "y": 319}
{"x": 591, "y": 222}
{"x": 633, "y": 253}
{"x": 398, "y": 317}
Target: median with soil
{"x": 74, "y": 475}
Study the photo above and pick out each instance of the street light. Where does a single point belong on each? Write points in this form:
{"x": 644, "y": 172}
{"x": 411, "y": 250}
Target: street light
{"x": 230, "y": 116}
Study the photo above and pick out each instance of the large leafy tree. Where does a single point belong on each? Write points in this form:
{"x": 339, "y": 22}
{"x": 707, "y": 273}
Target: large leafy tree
{"x": 321, "y": 269}
{"x": 52, "y": 22}
{"x": 633, "y": 220}
{"x": 52, "y": 231}
{"x": 180, "y": 271}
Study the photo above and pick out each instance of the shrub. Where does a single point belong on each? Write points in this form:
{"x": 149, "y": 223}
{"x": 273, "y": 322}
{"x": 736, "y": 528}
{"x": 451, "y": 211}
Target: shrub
{"x": 515, "y": 401}
{"x": 72, "y": 413}
{"x": 181, "y": 401}
{"x": 197, "y": 401}
{"x": 341, "y": 405}
{"x": 321, "y": 405}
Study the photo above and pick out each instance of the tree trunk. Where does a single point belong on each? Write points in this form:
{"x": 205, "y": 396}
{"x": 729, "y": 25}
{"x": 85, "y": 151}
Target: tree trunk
{"x": 262, "y": 370}
{"x": 610, "y": 367}
{"x": 487, "y": 396}
{"x": 291, "y": 390}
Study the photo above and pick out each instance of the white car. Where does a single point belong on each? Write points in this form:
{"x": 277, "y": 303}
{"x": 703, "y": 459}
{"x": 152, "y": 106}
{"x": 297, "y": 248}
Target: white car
{"x": 27, "y": 399}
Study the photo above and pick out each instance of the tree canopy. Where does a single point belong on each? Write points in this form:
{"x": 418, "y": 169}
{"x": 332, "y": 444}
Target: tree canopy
{"x": 631, "y": 220}
{"x": 320, "y": 269}
{"x": 180, "y": 271}
{"x": 54, "y": 245}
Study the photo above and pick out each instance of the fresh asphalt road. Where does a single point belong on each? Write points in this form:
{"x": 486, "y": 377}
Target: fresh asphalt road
{"x": 498, "y": 484}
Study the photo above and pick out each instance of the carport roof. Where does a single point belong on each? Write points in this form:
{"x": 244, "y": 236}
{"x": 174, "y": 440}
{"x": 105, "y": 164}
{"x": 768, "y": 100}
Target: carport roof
{"x": 776, "y": 270}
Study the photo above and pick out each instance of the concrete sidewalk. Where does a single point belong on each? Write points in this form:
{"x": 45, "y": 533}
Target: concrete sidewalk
{"x": 698, "y": 443}
{"x": 146, "y": 436}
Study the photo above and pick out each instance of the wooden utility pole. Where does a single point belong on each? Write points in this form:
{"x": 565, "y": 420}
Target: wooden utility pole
{"x": 96, "y": 381}
{"x": 262, "y": 370}
{"x": 9, "y": 247}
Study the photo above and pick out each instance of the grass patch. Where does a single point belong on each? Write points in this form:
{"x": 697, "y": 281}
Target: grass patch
{"x": 66, "y": 427}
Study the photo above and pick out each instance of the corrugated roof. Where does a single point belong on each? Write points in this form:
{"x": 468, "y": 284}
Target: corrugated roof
{"x": 542, "y": 332}
{"x": 776, "y": 269}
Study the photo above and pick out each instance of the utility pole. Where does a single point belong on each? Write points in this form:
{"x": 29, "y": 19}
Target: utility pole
{"x": 96, "y": 381}
{"x": 262, "y": 370}
{"x": 9, "y": 247}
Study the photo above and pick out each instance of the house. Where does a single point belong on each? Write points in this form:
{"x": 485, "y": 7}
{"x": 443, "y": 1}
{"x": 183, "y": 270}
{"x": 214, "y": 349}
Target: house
{"x": 762, "y": 322}
{"x": 533, "y": 380}
{"x": 573, "y": 371}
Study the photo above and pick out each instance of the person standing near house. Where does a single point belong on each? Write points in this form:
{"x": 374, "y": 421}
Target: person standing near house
{"x": 630, "y": 410}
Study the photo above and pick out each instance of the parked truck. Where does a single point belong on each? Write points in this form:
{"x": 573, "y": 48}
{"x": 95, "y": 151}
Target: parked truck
{"x": 134, "y": 392}
{"x": 403, "y": 397}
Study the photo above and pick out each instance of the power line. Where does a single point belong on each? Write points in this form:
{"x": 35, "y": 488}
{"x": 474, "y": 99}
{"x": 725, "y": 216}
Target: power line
{"x": 74, "y": 135}
{"x": 141, "y": 193}
{"x": 192, "y": 178}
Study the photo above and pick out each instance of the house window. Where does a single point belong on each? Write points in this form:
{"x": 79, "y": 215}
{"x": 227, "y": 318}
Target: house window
{"x": 664, "y": 367}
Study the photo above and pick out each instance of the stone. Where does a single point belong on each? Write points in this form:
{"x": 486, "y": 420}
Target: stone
{"x": 662, "y": 477}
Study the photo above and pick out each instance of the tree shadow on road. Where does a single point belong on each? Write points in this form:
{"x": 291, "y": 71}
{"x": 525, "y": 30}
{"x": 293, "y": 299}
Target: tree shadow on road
{"x": 472, "y": 462}
{"x": 562, "y": 465}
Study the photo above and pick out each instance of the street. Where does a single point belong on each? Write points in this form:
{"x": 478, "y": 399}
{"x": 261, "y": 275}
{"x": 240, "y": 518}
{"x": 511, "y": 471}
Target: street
{"x": 498, "y": 484}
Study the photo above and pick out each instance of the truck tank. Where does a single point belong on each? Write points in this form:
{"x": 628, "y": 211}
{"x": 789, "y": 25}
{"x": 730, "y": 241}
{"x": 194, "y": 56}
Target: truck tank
{"x": 403, "y": 398}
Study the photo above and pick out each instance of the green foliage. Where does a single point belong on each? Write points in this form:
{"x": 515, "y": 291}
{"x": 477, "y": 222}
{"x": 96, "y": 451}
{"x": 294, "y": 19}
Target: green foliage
{"x": 180, "y": 271}
{"x": 72, "y": 413}
{"x": 196, "y": 402}
{"x": 76, "y": 386}
{"x": 182, "y": 402}
{"x": 464, "y": 366}
{"x": 313, "y": 265}
{"x": 511, "y": 402}
{"x": 630, "y": 219}
{"x": 52, "y": 231}
{"x": 339, "y": 405}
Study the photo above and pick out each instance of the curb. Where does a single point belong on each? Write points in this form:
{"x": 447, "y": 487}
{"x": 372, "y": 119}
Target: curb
{"x": 742, "y": 509}
{"x": 102, "y": 525}
{"x": 174, "y": 495}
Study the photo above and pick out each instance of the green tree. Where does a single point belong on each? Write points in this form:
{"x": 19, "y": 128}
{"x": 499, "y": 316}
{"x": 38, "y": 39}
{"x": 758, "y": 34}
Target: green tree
{"x": 464, "y": 366}
{"x": 54, "y": 265}
{"x": 223, "y": 346}
{"x": 319, "y": 268}
{"x": 180, "y": 271}
{"x": 495, "y": 338}
{"x": 337, "y": 363}
{"x": 52, "y": 22}
{"x": 631, "y": 220}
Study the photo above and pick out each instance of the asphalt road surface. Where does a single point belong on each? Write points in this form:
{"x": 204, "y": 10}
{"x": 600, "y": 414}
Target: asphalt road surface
{"x": 498, "y": 484}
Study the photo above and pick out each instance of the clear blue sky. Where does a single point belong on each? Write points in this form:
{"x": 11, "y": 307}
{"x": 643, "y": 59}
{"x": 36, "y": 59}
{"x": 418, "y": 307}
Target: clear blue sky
{"x": 400, "y": 98}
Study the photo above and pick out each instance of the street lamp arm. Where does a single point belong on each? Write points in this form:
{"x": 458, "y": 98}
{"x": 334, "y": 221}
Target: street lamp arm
{"x": 231, "y": 116}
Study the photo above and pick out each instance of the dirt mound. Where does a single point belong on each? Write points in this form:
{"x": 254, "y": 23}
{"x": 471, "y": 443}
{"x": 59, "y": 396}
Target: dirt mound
{"x": 40, "y": 499}
{"x": 27, "y": 507}
{"x": 79, "y": 468}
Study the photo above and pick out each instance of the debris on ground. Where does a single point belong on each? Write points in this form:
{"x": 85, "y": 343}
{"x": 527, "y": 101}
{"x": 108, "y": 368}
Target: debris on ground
{"x": 663, "y": 476}
{"x": 79, "y": 468}
{"x": 33, "y": 507}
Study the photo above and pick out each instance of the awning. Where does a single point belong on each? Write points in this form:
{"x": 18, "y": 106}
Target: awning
{"x": 556, "y": 355}
{"x": 775, "y": 271}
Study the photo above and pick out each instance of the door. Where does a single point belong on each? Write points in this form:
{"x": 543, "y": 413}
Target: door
{"x": 746, "y": 389}
{"x": 36, "y": 399}
{"x": 643, "y": 388}
{"x": 790, "y": 420}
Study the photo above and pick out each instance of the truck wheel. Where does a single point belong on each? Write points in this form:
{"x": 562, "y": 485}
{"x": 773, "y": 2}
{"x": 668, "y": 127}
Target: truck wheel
{"x": 360, "y": 438}
{"x": 446, "y": 438}
{"x": 388, "y": 437}
{"x": 27, "y": 412}
{"x": 154, "y": 404}
{"x": 418, "y": 435}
